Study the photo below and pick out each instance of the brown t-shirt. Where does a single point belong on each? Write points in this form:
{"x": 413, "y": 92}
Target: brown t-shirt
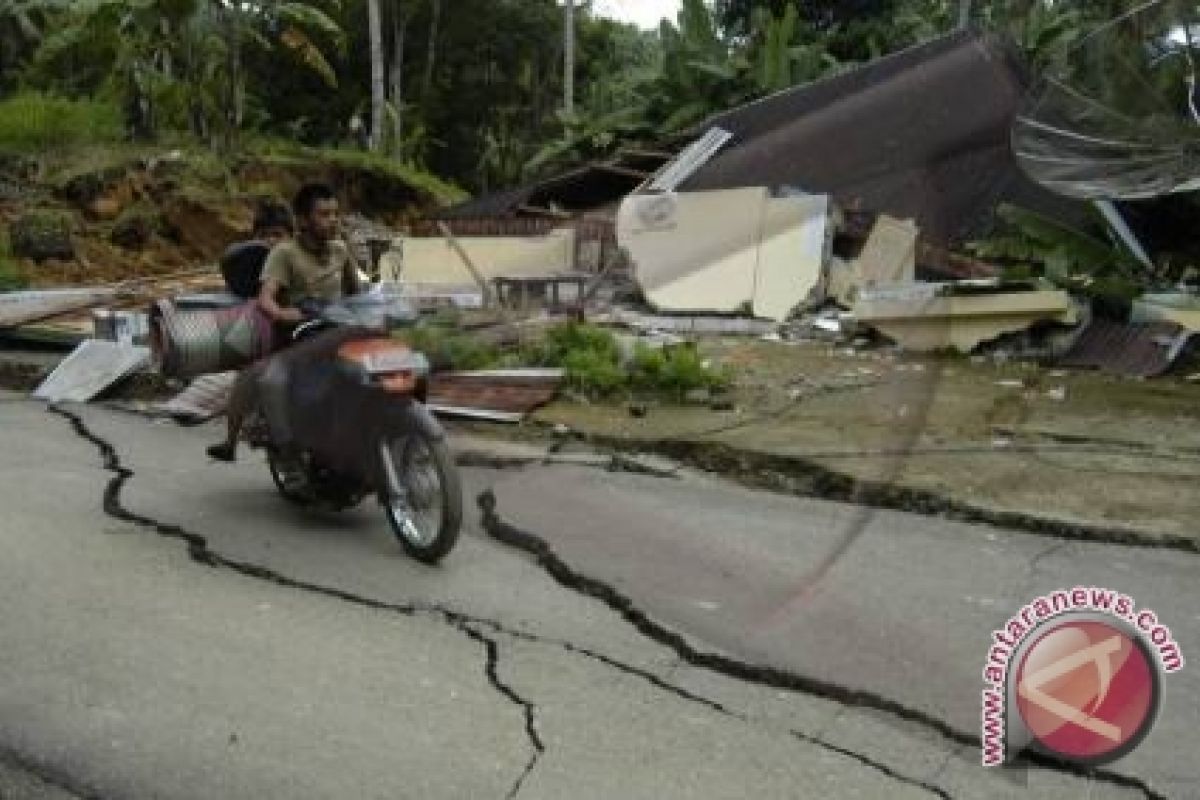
{"x": 302, "y": 273}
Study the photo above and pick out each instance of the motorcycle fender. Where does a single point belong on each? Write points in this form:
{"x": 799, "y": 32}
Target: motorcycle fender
{"x": 416, "y": 416}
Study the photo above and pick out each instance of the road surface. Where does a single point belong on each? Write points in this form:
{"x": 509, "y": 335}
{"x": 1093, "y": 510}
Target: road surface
{"x": 171, "y": 629}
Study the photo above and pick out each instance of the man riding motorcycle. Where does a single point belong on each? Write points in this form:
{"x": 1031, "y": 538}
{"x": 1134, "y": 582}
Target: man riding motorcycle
{"x": 316, "y": 266}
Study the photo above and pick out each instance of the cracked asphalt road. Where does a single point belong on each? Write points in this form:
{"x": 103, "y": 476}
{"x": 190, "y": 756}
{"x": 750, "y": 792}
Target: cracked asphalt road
{"x": 171, "y": 629}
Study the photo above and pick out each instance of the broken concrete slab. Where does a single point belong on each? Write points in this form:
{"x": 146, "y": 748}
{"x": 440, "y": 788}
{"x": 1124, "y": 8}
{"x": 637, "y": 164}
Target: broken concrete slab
{"x": 1182, "y": 309}
{"x": 93, "y": 367}
{"x": 726, "y": 251}
{"x": 888, "y": 258}
{"x": 924, "y": 317}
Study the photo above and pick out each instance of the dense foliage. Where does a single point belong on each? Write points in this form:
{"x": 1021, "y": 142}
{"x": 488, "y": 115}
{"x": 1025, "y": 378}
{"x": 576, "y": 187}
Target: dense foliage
{"x": 470, "y": 90}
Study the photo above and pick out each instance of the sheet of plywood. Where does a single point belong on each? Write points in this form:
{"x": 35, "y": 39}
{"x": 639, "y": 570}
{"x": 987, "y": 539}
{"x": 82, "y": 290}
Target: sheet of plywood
{"x": 432, "y": 260}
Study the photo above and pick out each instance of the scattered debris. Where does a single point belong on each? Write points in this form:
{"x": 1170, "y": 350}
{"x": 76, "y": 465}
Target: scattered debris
{"x": 1058, "y": 393}
{"x": 888, "y": 258}
{"x": 126, "y": 327}
{"x": 93, "y": 367}
{"x": 205, "y": 398}
{"x": 688, "y": 325}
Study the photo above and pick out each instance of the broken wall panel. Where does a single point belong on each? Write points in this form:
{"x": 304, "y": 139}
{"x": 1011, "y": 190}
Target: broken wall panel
{"x": 791, "y": 259}
{"x": 433, "y": 260}
{"x": 727, "y": 250}
{"x": 695, "y": 251}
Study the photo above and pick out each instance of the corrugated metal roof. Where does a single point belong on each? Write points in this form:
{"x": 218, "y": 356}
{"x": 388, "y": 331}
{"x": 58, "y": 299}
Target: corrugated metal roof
{"x": 1135, "y": 350}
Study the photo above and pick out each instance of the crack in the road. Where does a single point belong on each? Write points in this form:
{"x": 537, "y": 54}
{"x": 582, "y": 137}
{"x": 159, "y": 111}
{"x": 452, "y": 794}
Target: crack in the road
{"x": 491, "y": 670}
{"x": 201, "y": 553}
{"x": 691, "y": 697}
{"x": 758, "y": 674}
{"x": 884, "y": 768}
{"x": 806, "y": 477}
{"x": 469, "y": 625}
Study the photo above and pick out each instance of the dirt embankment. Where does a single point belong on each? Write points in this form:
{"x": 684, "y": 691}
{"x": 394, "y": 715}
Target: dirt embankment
{"x": 109, "y": 216}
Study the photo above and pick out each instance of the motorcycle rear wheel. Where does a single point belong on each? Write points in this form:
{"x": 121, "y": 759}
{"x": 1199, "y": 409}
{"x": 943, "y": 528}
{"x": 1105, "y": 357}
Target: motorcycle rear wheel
{"x": 427, "y": 520}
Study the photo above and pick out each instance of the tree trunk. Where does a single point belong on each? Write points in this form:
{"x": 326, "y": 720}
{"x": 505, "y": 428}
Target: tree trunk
{"x": 378, "y": 98}
{"x": 399, "y": 37}
{"x": 569, "y": 57}
{"x": 431, "y": 50}
{"x": 231, "y": 112}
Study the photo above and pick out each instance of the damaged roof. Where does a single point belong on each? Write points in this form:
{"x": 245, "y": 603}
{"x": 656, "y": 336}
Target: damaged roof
{"x": 922, "y": 134}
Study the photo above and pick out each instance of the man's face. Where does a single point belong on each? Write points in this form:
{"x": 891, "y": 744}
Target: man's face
{"x": 323, "y": 221}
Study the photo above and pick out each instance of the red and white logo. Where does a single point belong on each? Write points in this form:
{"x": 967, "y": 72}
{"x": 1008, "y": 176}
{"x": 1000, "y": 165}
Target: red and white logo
{"x": 1087, "y": 690}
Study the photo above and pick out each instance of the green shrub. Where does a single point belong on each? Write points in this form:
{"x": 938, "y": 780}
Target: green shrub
{"x": 588, "y": 355}
{"x": 11, "y": 276}
{"x": 447, "y": 348}
{"x": 33, "y": 122}
{"x": 673, "y": 371}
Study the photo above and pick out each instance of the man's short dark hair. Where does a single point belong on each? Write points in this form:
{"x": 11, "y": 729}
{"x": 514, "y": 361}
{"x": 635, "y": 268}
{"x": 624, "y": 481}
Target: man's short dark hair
{"x": 273, "y": 214}
{"x": 309, "y": 195}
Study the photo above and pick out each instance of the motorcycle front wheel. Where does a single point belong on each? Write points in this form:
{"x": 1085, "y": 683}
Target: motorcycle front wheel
{"x": 426, "y": 513}
{"x": 290, "y": 480}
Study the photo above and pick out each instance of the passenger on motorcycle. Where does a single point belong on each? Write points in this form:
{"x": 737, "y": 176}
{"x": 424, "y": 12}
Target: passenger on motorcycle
{"x": 316, "y": 266}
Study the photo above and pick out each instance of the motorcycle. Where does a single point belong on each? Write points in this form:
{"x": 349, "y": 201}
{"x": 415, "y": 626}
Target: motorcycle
{"x": 362, "y": 429}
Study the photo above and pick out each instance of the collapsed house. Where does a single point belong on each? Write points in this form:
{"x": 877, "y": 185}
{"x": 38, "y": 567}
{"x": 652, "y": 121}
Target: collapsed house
{"x": 742, "y": 213}
{"x": 854, "y": 190}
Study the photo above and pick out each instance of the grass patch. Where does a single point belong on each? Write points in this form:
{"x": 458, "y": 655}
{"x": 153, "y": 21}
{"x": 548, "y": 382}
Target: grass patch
{"x": 33, "y": 123}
